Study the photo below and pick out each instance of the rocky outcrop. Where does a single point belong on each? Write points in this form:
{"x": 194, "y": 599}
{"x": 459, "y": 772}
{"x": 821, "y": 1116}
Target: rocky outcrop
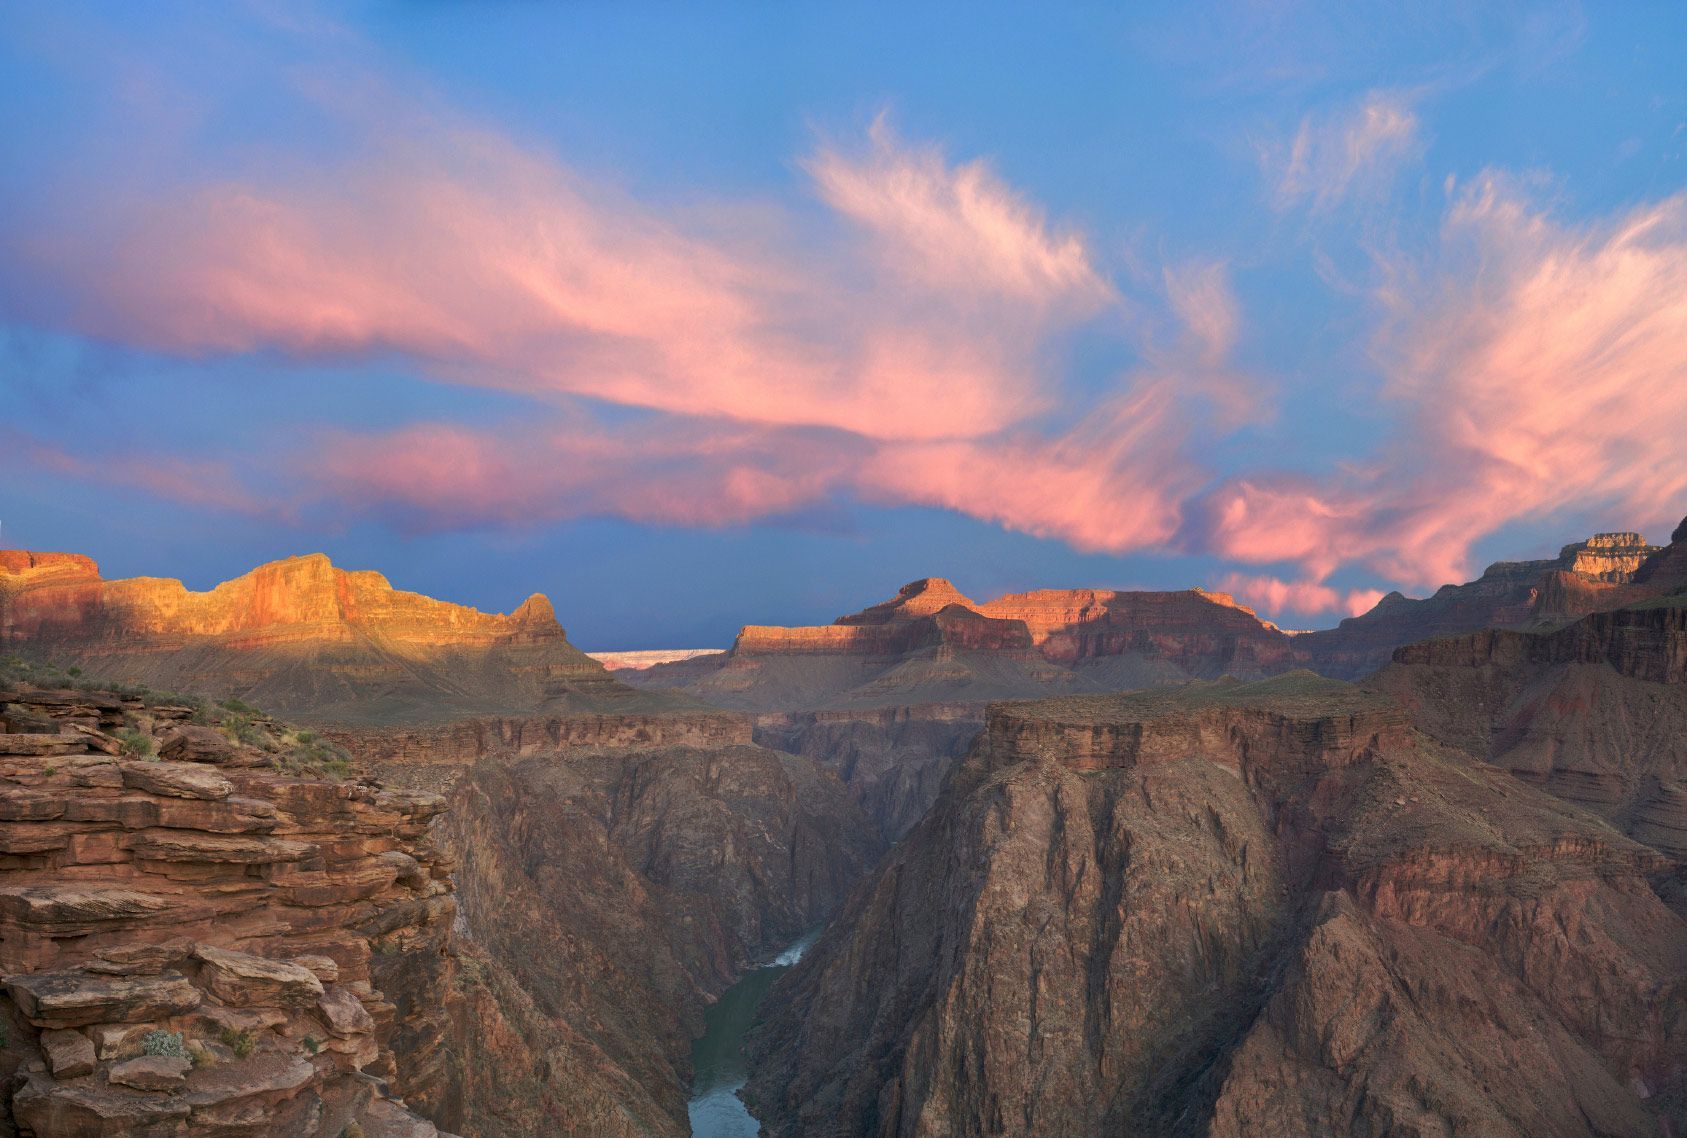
{"x": 302, "y": 638}
{"x": 206, "y": 944}
{"x": 932, "y": 644}
{"x": 1594, "y": 712}
{"x": 614, "y": 894}
{"x": 1607, "y": 571}
{"x": 1263, "y": 909}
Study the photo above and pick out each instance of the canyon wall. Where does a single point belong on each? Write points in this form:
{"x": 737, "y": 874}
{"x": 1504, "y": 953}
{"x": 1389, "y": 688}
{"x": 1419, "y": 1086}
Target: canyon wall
{"x": 194, "y": 941}
{"x": 614, "y": 893}
{"x": 1264, "y": 909}
{"x": 1594, "y": 712}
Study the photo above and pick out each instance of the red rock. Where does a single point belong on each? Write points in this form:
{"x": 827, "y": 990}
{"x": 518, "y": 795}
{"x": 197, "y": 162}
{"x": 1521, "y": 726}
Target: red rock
{"x": 150, "y": 1072}
{"x": 76, "y": 999}
{"x": 240, "y": 979}
{"x": 70, "y": 1054}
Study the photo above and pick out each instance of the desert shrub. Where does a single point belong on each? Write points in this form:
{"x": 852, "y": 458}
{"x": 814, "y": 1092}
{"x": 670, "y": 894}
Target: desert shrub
{"x": 199, "y": 1056}
{"x": 351, "y": 1130}
{"x": 135, "y": 743}
{"x": 162, "y": 1042}
{"x": 242, "y": 1043}
{"x": 238, "y": 706}
{"x": 311, "y": 1044}
{"x": 308, "y": 754}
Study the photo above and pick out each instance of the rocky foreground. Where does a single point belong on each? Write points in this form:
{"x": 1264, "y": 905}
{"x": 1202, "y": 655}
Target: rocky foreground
{"x": 211, "y": 931}
{"x": 1267, "y": 909}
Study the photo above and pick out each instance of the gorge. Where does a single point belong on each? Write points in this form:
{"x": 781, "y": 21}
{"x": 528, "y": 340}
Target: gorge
{"x": 1084, "y": 860}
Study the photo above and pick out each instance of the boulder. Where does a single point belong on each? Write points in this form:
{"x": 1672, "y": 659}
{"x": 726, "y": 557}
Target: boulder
{"x": 150, "y": 1072}
{"x": 345, "y": 1013}
{"x": 324, "y": 968}
{"x": 70, "y": 1054}
{"x": 243, "y": 980}
{"x": 192, "y": 743}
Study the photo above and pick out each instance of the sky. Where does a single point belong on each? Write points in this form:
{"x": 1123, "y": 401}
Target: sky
{"x": 692, "y": 316}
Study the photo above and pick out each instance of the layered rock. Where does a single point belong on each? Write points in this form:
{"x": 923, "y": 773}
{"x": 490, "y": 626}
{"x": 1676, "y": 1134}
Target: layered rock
{"x": 1606, "y": 571}
{"x": 1595, "y": 712}
{"x": 193, "y": 945}
{"x": 304, "y": 639}
{"x": 614, "y": 893}
{"x": 932, "y": 644}
{"x": 1263, "y": 909}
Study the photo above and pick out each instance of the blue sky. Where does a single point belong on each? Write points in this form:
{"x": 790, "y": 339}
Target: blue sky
{"x": 697, "y": 315}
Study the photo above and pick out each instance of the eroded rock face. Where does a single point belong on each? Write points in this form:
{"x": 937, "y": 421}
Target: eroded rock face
{"x": 613, "y": 893}
{"x": 1607, "y": 571}
{"x": 1594, "y": 712}
{"x": 302, "y": 638}
{"x": 165, "y": 927}
{"x": 1262, "y": 909}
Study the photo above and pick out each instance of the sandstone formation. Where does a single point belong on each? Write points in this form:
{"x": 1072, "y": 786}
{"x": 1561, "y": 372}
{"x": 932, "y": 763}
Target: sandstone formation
{"x": 203, "y": 943}
{"x": 614, "y": 892}
{"x": 1266, "y": 909}
{"x": 932, "y": 644}
{"x": 304, "y": 639}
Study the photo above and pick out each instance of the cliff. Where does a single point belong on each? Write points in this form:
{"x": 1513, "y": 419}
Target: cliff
{"x": 614, "y": 893}
{"x": 1606, "y": 571}
{"x": 1594, "y": 712}
{"x": 207, "y": 936}
{"x": 305, "y": 639}
{"x": 1263, "y": 909}
{"x": 932, "y": 644}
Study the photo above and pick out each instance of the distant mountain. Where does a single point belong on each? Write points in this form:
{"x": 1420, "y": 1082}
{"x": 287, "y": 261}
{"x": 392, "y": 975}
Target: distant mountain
{"x": 303, "y": 638}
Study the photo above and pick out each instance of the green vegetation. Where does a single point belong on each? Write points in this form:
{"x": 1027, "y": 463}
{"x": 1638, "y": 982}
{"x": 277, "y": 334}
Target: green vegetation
{"x": 305, "y": 754}
{"x": 199, "y": 1056}
{"x": 136, "y": 744}
{"x": 169, "y": 1043}
{"x": 311, "y": 1044}
{"x": 242, "y": 1043}
{"x": 351, "y": 1130}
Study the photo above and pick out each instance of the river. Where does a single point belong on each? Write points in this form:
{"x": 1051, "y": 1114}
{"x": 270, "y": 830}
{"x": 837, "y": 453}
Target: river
{"x": 718, "y": 1058}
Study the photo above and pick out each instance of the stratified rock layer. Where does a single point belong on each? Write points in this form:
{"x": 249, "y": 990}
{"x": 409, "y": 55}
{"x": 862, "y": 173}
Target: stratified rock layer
{"x": 1594, "y": 712}
{"x": 304, "y": 639}
{"x": 209, "y": 950}
{"x": 1237, "y": 909}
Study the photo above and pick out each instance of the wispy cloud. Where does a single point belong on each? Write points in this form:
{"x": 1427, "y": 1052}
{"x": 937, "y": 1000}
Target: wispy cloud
{"x": 1274, "y": 596}
{"x": 1354, "y": 151}
{"x": 1538, "y": 367}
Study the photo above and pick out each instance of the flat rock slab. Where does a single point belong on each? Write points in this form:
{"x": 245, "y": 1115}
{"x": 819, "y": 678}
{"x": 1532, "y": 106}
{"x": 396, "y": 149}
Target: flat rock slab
{"x": 150, "y": 1072}
{"x": 189, "y": 846}
{"x": 177, "y": 780}
{"x": 260, "y": 1075}
{"x": 75, "y": 910}
{"x": 77, "y": 999}
{"x": 88, "y": 1111}
{"x": 243, "y": 980}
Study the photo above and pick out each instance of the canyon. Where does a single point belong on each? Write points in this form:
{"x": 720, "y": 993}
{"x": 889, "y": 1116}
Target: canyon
{"x": 1085, "y": 860}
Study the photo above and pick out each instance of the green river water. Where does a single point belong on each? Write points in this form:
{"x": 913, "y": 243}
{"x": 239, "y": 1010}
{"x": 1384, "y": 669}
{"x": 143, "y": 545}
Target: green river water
{"x": 718, "y": 1058}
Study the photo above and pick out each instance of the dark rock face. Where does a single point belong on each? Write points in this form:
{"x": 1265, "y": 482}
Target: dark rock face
{"x": 893, "y": 760}
{"x": 1263, "y": 909}
{"x": 1595, "y": 712}
{"x": 614, "y": 893}
{"x": 1605, "y": 572}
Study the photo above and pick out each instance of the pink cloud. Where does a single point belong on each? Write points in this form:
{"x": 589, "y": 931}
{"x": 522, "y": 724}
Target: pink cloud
{"x": 1273, "y": 595}
{"x": 957, "y": 229}
{"x": 1334, "y": 156}
{"x": 492, "y": 265}
{"x": 1539, "y": 367}
{"x": 1113, "y": 483}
